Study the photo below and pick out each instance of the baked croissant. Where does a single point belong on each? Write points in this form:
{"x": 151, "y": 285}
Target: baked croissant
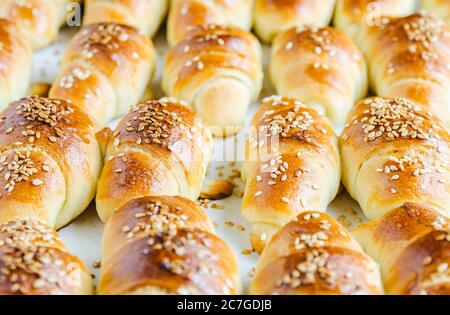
{"x": 291, "y": 165}
{"x": 393, "y": 151}
{"x": 33, "y": 260}
{"x": 38, "y": 20}
{"x": 186, "y": 14}
{"x": 412, "y": 245}
{"x": 218, "y": 71}
{"x": 314, "y": 254}
{"x": 320, "y": 67}
{"x": 414, "y": 62}
{"x": 351, "y": 15}
{"x": 106, "y": 69}
{"x": 159, "y": 148}
{"x": 440, "y": 8}
{"x": 274, "y": 16}
{"x": 145, "y": 15}
{"x": 165, "y": 245}
{"x": 15, "y": 63}
{"x": 50, "y": 160}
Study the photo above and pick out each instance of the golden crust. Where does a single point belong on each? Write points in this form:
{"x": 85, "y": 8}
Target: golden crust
{"x": 49, "y": 150}
{"x": 160, "y": 147}
{"x": 313, "y": 254}
{"x": 321, "y": 67}
{"x": 275, "y": 16}
{"x": 166, "y": 243}
{"x": 51, "y": 269}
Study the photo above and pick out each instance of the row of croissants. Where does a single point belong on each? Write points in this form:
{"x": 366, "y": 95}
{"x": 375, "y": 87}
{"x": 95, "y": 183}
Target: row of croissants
{"x": 57, "y": 153}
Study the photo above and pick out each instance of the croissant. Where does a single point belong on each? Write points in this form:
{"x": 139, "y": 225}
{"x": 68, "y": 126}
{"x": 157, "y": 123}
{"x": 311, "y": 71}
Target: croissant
{"x": 33, "y": 260}
{"x": 186, "y": 14}
{"x": 106, "y": 69}
{"x": 321, "y": 67}
{"x": 393, "y": 151}
{"x": 145, "y": 15}
{"x": 38, "y": 20}
{"x": 351, "y": 15}
{"x": 414, "y": 62}
{"x": 218, "y": 71}
{"x": 15, "y": 63}
{"x": 159, "y": 148}
{"x": 50, "y": 160}
{"x": 440, "y": 8}
{"x": 165, "y": 245}
{"x": 291, "y": 165}
{"x": 274, "y": 16}
{"x": 412, "y": 245}
{"x": 314, "y": 254}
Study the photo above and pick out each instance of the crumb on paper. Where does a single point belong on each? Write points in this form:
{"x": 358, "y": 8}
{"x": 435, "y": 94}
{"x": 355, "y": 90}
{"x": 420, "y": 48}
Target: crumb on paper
{"x": 247, "y": 252}
{"x": 96, "y": 264}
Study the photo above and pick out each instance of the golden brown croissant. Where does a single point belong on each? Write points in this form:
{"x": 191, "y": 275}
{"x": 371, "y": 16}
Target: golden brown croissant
{"x": 300, "y": 171}
{"x": 39, "y": 20}
{"x": 275, "y": 16}
{"x": 393, "y": 151}
{"x": 412, "y": 245}
{"x": 351, "y": 15}
{"x": 33, "y": 260}
{"x": 165, "y": 245}
{"x": 440, "y": 8}
{"x": 218, "y": 71}
{"x": 314, "y": 254}
{"x": 145, "y": 15}
{"x": 50, "y": 160}
{"x": 186, "y": 14}
{"x": 15, "y": 63}
{"x": 105, "y": 70}
{"x": 320, "y": 67}
{"x": 159, "y": 148}
{"x": 414, "y": 61}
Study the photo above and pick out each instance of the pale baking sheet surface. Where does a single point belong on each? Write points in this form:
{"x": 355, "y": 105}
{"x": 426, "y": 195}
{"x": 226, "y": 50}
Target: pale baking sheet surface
{"x": 83, "y": 236}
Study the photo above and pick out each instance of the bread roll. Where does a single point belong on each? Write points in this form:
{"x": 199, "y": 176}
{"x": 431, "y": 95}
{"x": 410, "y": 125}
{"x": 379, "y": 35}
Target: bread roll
{"x": 276, "y": 16}
{"x": 165, "y": 245}
{"x": 414, "y": 62}
{"x": 292, "y": 165}
{"x": 159, "y": 148}
{"x": 50, "y": 160}
{"x": 145, "y": 15}
{"x": 39, "y": 20}
{"x": 412, "y": 245}
{"x": 393, "y": 151}
{"x": 314, "y": 254}
{"x": 186, "y": 14}
{"x": 352, "y": 15}
{"x": 218, "y": 71}
{"x": 321, "y": 67}
{"x": 440, "y": 8}
{"x": 106, "y": 69}
{"x": 15, "y": 63}
{"x": 33, "y": 260}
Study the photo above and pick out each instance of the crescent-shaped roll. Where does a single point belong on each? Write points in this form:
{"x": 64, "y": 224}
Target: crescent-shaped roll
{"x": 38, "y": 20}
{"x": 105, "y": 70}
{"x": 314, "y": 254}
{"x": 165, "y": 245}
{"x": 276, "y": 16}
{"x": 411, "y": 243}
{"x": 218, "y": 71}
{"x": 49, "y": 162}
{"x": 15, "y": 63}
{"x": 292, "y": 164}
{"x": 145, "y": 15}
{"x": 414, "y": 61}
{"x": 159, "y": 148}
{"x": 351, "y": 15}
{"x": 320, "y": 67}
{"x": 34, "y": 261}
{"x": 186, "y": 14}
{"x": 393, "y": 151}
{"x": 440, "y": 8}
